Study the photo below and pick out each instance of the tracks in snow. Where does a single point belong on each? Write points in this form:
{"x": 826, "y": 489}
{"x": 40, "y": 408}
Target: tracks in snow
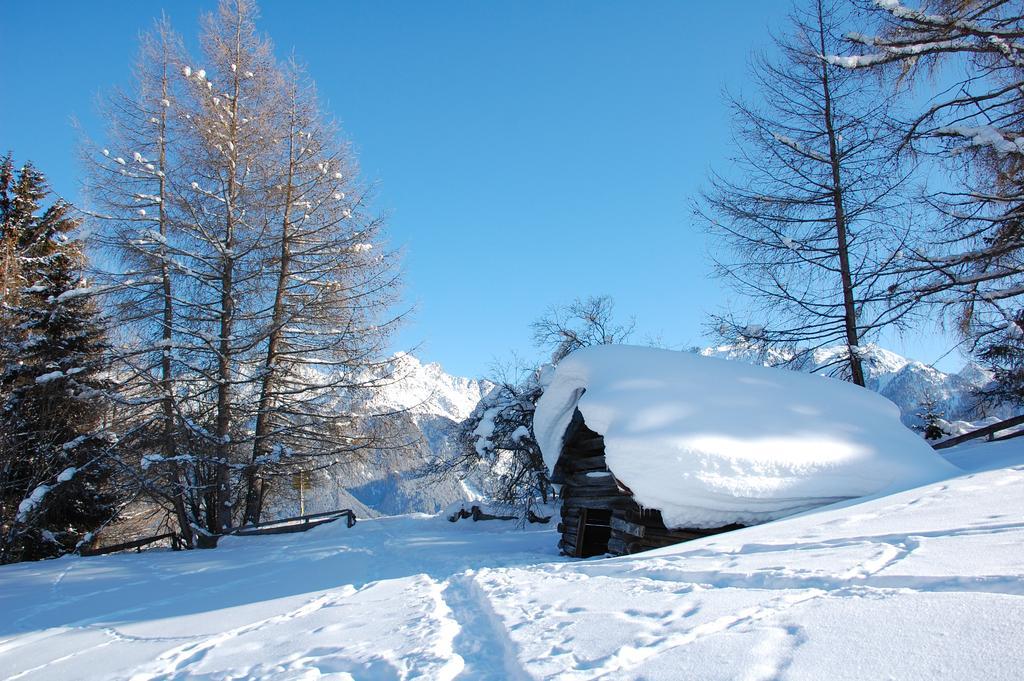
{"x": 177, "y": 662}
{"x": 482, "y": 642}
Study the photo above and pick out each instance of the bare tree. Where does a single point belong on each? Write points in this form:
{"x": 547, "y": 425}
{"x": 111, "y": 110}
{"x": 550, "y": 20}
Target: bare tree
{"x": 135, "y": 205}
{"x": 580, "y": 324}
{"x": 333, "y": 284}
{"x": 972, "y": 262}
{"x": 231, "y": 141}
{"x": 253, "y": 283}
{"x": 805, "y": 219}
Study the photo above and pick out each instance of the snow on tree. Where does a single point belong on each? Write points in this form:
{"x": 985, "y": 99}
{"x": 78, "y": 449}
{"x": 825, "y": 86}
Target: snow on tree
{"x": 228, "y": 145}
{"x": 152, "y": 254}
{"x": 806, "y": 220}
{"x": 498, "y": 435}
{"x": 55, "y": 472}
{"x": 931, "y": 419}
{"x": 254, "y": 291}
{"x": 972, "y": 263}
{"x": 332, "y": 282}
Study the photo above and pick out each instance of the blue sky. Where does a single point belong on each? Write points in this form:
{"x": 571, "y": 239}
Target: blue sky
{"x": 526, "y": 152}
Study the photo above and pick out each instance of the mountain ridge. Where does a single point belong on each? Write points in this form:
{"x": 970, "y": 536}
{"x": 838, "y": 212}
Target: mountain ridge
{"x": 908, "y": 383}
{"x": 430, "y": 404}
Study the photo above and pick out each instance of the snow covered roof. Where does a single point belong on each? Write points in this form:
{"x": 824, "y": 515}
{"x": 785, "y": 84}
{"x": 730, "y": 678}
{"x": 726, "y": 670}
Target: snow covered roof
{"x": 711, "y": 442}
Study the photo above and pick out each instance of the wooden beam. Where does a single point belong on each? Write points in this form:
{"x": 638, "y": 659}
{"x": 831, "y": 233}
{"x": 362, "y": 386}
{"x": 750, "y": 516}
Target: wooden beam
{"x": 591, "y": 491}
{"x": 602, "y": 503}
{"x": 616, "y": 546}
{"x": 594, "y": 444}
{"x": 587, "y": 479}
{"x": 980, "y": 432}
{"x": 127, "y": 546}
{"x": 583, "y": 463}
{"x": 627, "y": 527}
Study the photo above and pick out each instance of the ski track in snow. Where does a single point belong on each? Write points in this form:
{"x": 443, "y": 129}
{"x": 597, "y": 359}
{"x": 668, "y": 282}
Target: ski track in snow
{"x": 822, "y": 595}
{"x": 482, "y": 643}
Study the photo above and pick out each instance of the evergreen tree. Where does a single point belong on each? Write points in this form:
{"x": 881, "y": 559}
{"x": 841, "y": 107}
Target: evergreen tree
{"x": 251, "y": 284}
{"x": 931, "y": 420}
{"x": 54, "y": 471}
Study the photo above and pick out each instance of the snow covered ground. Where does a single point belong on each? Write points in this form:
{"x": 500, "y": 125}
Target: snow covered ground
{"x": 923, "y": 584}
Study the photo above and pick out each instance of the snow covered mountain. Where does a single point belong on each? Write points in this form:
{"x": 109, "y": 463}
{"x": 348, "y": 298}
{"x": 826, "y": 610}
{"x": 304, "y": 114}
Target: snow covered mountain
{"x": 425, "y": 389}
{"x": 393, "y": 482}
{"x": 435, "y": 402}
{"x": 906, "y": 382}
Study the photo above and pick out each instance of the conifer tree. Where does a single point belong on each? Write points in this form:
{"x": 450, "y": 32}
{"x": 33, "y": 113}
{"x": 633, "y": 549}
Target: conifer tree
{"x": 331, "y": 282}
{"x": 54, "y": 468}
{"x": 931, "y": 419}
{"x": 131, "y": 186}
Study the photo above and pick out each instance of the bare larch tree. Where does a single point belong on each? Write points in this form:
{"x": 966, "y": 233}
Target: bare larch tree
{"x": 252, "y": 282}
{"x": 804, "y": 221}
{"x": 971, "y": 262}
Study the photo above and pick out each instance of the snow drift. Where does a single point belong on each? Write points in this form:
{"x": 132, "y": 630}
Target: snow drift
{"x": 711, "y": 442}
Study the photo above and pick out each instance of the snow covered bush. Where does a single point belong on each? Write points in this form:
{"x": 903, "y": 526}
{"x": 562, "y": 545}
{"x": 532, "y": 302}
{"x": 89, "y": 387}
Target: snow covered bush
{"x": 498, "y": 437}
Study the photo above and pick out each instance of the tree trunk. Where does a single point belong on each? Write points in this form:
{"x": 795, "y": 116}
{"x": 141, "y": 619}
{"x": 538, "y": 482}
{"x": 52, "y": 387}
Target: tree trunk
{"x": 255, "y": 483}
{"x": 849, "y": 307}
{"x": 222, "y": 515}
{"x": 169, "y": 444}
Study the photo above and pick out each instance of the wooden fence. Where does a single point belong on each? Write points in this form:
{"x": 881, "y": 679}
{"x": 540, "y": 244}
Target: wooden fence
{"x": 299, "y": 523}
{"x": 989, "y": 431}
{"x": 137, "y": 544}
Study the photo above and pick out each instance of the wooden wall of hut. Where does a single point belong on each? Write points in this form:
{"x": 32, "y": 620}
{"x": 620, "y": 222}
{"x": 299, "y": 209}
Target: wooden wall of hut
{"x": 599, "y": 514}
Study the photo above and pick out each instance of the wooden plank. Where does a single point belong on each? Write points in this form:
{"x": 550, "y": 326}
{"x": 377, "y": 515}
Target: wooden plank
{"x": 589, "y": 476}
{"x": 586, "y": 463}
{"x": 579, "y": 533}
{"x": 687, "y": 533}
{"x": 127, "y": 546}
{"x": 606, "y": 481}
{"x": 627, "y": 527}
{"x": 980, "y": 432}
{"x": 283, "y": 529}
{"x": 304, "y": 519}
{"x": 1019, "y": 433}
{"x": 605, "y": 503}
{"x": 579, "y": 492}
{"x": 646, "y": 517}
{"x": 584, "y": 446}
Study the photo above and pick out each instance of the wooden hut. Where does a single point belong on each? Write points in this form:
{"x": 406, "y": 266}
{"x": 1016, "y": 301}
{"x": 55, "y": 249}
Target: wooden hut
{"x": 599, "y": 514}
{"x": 653, "y": 447}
